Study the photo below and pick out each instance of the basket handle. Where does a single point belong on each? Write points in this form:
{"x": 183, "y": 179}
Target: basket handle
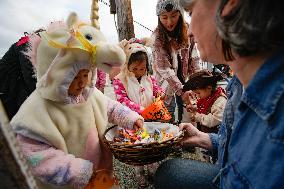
{"x": 109, "y": 128}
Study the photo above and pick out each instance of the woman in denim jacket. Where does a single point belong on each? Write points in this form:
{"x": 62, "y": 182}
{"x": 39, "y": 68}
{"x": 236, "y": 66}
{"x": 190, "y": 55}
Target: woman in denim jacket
{"x": 248, "y": 35}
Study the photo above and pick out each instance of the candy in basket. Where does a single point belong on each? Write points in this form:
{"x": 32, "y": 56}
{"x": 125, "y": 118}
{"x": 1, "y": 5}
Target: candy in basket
{"x": 156, "y": 142}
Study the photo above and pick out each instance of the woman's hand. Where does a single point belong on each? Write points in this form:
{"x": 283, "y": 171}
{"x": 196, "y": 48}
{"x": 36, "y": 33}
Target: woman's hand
{"x": 194, "y": 137}
{"x": 138, "y": 125}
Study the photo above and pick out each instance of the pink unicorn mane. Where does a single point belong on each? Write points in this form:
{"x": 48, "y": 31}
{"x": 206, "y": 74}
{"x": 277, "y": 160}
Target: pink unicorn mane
{"x": 34, "y": 41}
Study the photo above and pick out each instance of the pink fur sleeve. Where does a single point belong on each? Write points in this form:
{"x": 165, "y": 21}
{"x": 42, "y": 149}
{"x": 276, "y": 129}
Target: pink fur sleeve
{"x": 121, "y": 115}
{"x": 122, "y": 97}
{"x": 54, "y": 166}
{"x": 156, "y": 88}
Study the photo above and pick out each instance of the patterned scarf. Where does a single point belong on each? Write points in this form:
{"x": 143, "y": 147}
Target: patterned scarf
{"x": 204, "y": 104}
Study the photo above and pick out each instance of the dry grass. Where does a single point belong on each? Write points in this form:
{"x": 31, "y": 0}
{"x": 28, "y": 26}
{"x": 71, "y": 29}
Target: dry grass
{"x": 126, "y": 174}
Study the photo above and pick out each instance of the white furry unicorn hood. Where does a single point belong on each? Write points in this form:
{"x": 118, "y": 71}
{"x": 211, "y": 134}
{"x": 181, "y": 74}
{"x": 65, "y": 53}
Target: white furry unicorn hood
{"x": 129, "y": 47}
{"x": 79, "y": 46}
{"x": 54, "y": 84}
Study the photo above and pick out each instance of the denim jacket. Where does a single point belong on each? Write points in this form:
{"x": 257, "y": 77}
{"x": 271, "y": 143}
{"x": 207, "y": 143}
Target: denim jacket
{"x": 251, "y": 138}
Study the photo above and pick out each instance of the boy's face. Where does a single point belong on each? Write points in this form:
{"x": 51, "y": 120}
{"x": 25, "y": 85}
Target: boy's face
{"x": 79, "y": 82}
{"x": 203, "y": 93}
{"x": 139, "y": 68}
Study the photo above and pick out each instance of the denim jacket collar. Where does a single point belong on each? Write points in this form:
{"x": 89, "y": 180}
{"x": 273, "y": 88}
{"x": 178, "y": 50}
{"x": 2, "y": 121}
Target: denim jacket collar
{"x": 264, "y": 91}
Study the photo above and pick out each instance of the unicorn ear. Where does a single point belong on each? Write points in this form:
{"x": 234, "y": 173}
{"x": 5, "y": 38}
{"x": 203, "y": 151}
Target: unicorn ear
{"x": 123, "y": 43}
{"x": 72, "y": 19}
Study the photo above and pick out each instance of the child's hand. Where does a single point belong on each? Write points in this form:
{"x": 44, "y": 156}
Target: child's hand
{"x": 161, "y": 94}
{"x": 138, "y": 125}
{"x": 191, "y": 108}
{"x": 187, "y": 97}
{"x": 192, "y": 117}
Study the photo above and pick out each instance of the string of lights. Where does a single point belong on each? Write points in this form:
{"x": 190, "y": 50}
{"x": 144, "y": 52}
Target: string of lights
{"x": 105, "y": 3}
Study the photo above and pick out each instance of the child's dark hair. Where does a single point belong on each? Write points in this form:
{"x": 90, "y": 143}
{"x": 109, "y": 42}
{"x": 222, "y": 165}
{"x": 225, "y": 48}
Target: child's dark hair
{"x": 201, "y": 80}
{"x": 139, "y": 56}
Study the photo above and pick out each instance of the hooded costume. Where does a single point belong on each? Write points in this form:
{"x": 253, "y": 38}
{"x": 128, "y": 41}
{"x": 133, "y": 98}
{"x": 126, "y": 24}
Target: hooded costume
{"x": 60, "y": 138}
{"x": 129, "y": 91}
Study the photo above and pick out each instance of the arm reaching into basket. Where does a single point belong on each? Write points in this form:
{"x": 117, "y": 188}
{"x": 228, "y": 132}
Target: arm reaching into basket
{"x": 121, "y": 115}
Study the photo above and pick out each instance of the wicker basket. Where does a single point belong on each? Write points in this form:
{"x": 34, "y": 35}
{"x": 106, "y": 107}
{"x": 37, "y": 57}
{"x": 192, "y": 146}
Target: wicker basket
{"x": 143, "y": 153}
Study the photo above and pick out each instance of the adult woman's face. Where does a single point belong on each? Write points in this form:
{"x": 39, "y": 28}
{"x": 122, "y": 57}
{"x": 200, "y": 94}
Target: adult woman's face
{"x": 203, "y": 27}
{"x": 169, "y": 19}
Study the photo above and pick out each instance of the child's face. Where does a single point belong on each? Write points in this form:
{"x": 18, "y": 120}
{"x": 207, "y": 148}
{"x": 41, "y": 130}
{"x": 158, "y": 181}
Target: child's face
{"x": 170, "y": 19}
{"x": 203, "y": 93}
{"x": 139, "y": 68}
{"x": 79, "y": 82}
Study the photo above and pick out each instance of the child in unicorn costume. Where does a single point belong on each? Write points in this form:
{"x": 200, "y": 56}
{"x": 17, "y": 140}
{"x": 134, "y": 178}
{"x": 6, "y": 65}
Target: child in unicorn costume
{"x": 60, "y": 131}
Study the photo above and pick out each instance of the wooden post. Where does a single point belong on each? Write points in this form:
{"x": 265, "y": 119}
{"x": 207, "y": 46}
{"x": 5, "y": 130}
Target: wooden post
{"x": 14, "y": 171}
{"x": 112, "y": 6}
{"x": 125, "y": 25}
{"x": 95, "y": 14}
